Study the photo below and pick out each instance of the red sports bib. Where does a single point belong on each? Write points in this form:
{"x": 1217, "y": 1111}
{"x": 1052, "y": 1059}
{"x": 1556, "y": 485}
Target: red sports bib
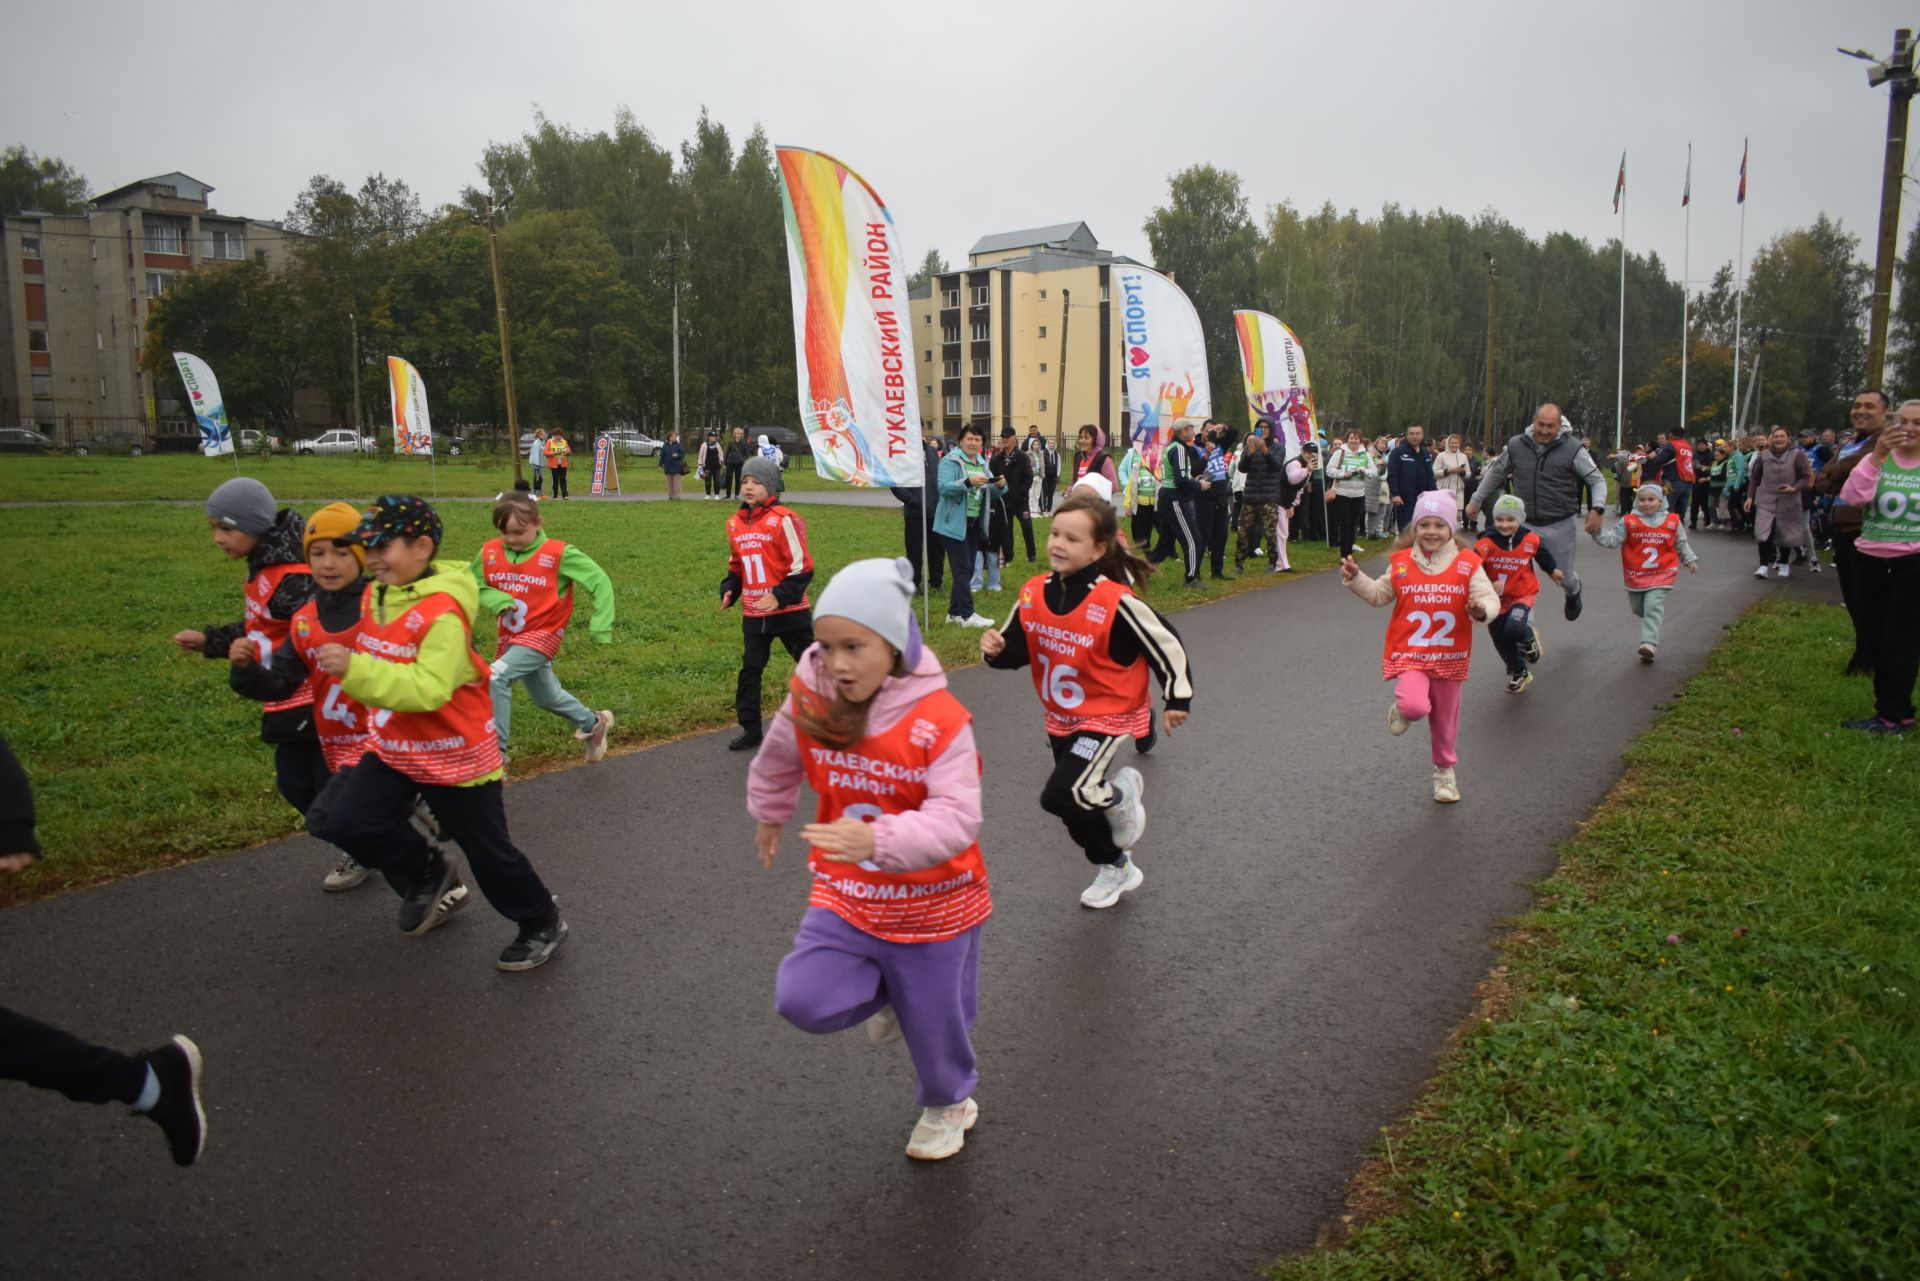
{"x": 765, "y": 550}
{"x": 1430, "y": 630}
{"x": 541, "y": 606}
{"x": 1650, "y": 556}
{"x": 454, "y": 743}
{"x": 887, "y": 774}
{"x": 266, "y": 632}
{"x": 1683, "y": 460}
{"x": 1079, "y": 684}
{"x": 342, "y": 721}
{"x": 1512, "y": 570}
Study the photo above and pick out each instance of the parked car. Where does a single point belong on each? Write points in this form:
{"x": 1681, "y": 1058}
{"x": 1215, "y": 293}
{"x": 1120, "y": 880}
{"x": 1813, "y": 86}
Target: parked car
{"x": 113, "y": 442}
{"x": 341, "y": 440}
{"x": 25, "y": 440}
{"x": 251, "y": 441}
{"x": 634, "y": 443}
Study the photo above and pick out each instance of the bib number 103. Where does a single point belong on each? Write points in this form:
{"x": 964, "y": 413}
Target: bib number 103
{"x": 1061, "y": 684}
{"x": 1431, "y": 631}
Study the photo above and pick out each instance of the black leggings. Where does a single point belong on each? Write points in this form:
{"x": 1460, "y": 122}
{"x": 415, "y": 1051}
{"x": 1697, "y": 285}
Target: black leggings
{"x": 1349, "y": 517}
{"x": 1079, "y": 792}
{"x": 48, "y": 1058}
{"x": 1886, "y": 593}
{"x": 559, "y": 482}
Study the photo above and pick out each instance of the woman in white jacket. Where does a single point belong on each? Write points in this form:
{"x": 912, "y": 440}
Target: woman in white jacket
{"x": 1450, "y": 470}
{"x": 1351, "y": 470}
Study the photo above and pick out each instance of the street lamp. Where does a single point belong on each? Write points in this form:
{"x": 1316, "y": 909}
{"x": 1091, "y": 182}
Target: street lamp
{"x": 1895, "y": 71}
{"x": 1490, "y": 304}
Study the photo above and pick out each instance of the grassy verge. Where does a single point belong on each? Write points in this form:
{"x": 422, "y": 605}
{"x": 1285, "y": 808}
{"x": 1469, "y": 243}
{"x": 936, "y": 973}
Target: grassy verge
{"x": 1698, "y": 1059}
{"x": 64, "y": 478}
{"x": 141, "y": 756}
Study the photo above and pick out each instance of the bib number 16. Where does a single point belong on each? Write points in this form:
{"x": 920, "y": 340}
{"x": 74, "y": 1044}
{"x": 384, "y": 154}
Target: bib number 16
{"x": 1059, "y": 680}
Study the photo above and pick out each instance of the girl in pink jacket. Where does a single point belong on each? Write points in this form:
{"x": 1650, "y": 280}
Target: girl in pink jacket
{"x": 891, "y": 934}
{"x": 1886, "y": 573}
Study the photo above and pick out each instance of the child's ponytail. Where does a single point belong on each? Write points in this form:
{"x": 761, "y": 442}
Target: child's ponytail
{"x": 1120, "y": 563}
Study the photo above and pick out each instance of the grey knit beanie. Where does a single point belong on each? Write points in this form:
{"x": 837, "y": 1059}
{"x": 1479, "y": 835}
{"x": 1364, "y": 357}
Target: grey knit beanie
{"x": 242, "y": 503}
{"x": 877, "y": 594}
{"x": 1509, "y": 505}
{"x": 764, "y": 470}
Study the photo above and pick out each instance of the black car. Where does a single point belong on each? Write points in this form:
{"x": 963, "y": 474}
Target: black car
{"x": 24, "y": 440}
{"x": 113, "y": 442}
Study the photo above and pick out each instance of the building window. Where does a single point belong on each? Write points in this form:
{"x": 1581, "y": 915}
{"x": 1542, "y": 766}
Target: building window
{"x": 1043, "y": 406}
{"x": 950, "y": 333}
{"x": 260, "y": 256}
{"x": 951, "y": 369}
{"x": 1043, "y": 295}
{"x": 950, "y": 298}
{"x": 220, "y": 242}
{"x": 980, "y": 366}
{"x": 927, "y": 319}
{"x": 979, "y": 295}
{"x": 929, "y": 389}
{"x": 982, "y": 402}
{"x": 1043, "y": 331}
{"x": 953, "y": 402}
{"x": 926, "y": 357}
{"x": 29, "y": 246}
{"x": 1103, "y": 293}
{"x": 981, "y": 332}
{"x": 37, "y": 340}
{"x": 165, "y": 237}
{"x": 42, "y": 384}
{"x": 1043, "y": 366}
{"x": 157, "y": 282}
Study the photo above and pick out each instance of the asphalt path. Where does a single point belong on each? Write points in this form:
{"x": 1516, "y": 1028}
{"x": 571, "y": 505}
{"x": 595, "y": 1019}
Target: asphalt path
{"x": 1178, "y": 1087}
{"x": 839, "y": 496}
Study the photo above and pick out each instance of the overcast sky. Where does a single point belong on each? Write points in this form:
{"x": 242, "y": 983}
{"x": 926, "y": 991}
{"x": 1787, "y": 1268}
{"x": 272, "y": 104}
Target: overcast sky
{"x": 990, "y": 116}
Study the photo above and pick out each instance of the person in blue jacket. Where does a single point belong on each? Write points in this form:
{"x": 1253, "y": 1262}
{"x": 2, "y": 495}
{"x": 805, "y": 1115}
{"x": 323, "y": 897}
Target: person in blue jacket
{"x": 963, "y": 518}
{"x": 1409, "y": 473}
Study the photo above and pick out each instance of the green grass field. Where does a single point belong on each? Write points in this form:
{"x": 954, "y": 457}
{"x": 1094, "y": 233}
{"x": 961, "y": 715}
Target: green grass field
{"x": 142, "y": 757}
{"x": 65, "y": 478}
{"x": 1700, "y": 1060}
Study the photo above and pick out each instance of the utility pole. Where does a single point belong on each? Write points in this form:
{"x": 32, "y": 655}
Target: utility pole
{"x": 1490, "y": 307}
{"x": 506, "y": 356}
{"x": 1060, "y": 394}
{"x": 359, "y": 423}
{"x": 1897, "y": 73}
{"x": 673, "y": 263}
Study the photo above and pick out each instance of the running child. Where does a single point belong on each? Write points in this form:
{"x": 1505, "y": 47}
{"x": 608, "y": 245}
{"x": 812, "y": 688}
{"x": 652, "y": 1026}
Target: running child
{"x": 247, "y": 526}
{"x": 1091, "y": 641}
{"x": 528, "y": 580}
{"x": 1653, "y": 545}
{"x": 1438, "y": 590}
{"x": 330, "y": 617}
{"x": 891, "y": 934}
{"x": 768, "y": 569}
{"x": 1509, "y": 551}
{"x": 431, "y": 735}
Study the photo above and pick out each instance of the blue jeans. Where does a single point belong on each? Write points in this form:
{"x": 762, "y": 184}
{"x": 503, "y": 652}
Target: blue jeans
{"x": 986, "y": 564}
{"x": 962, "y": 553}
{"x": 1511, "y": 632}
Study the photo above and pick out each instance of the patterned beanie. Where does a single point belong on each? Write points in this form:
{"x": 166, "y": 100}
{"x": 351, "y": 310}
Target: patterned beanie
{"x": 1438, "y": 504}
{"x": 397, "y": 516}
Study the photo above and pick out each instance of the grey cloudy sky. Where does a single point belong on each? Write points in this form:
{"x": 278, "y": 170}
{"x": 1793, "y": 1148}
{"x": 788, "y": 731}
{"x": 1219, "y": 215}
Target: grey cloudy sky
{"x": 994, "y": 115}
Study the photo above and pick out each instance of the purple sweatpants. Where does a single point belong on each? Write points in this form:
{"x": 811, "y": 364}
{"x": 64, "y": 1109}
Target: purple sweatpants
{"x": 837, "y": 976}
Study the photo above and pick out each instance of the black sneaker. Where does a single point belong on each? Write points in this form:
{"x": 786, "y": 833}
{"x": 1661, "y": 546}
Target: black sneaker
{"x": 1532, "y": 650}
{"x": 1574, "y": 606}
{"x": 1145, "y": 742}
{"x": 534, "y": 943}
{"x": 1878, "y": 725}
{"x": 434, "y": 895}
{"x": 177, "y": 1065}
{"x": 746, "y": 740}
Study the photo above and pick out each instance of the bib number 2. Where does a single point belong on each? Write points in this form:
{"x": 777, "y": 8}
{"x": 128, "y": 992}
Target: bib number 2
{"x": 1652, "y": 560}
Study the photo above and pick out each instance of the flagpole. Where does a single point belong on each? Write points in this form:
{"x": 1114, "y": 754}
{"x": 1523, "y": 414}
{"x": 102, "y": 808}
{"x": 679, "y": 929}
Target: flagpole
{"x": 1620, "y": 378}
{"x": 1686, "y": 286}
{"x": 1739, "y": 292}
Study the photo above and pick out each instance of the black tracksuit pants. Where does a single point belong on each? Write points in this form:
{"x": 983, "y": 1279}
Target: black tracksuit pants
{"x": 1175, "y": 520}
{"x": 1212, "y": 512}
{"x": 300, "y": 771}
{"x": 1079, "y": 793}
{"x": 366, "y": 811}
{"x": 48, "y": 1058}
{"x": 755, "y": 650}
{"x": 1887, "y": 594}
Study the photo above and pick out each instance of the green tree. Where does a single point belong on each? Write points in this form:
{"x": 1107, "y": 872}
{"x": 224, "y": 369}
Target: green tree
{"x": 1205, "y": 240}
{"x": 930, "y": 266}
{"x": 247, "y": 324}
{"x": 1903, "y": 345}
{"x": 575, "y": 320}
{"x": 42, "y": 183}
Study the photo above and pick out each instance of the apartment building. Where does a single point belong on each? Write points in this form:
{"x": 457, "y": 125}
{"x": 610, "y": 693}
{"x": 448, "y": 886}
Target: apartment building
{"x": 1023, "y": 336}
{"x": 75, "y": 291}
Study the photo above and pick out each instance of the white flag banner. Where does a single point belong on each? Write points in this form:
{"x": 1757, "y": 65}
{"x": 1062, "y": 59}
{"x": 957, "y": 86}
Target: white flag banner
{"x": 209, "y": 408}
{"x": 1164, "y": 354}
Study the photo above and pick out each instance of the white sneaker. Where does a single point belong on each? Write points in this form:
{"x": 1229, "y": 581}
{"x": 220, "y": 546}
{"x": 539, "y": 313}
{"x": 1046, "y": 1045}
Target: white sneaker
{"x": 1647, "y": 651}
{"x": 1762, "y": 571}
{"x": 884, "y": 1027}
{"x": 1128, "y": 817}
{"x": 596, "y": 738}
{"x": 1446, "y": 789}
{"x": 344, "y": 877}
{"x": 941, "y": 1132}
{"x": 1785, "y": 569}
{"x": 976, "y": 620}
{"x": 1813, "y": 565}
{"x": 1110, "y": 882}
{"x": 1396, "y": 723}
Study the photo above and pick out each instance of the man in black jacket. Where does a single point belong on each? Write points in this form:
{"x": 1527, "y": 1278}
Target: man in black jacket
{"x": 738, "y": 451}
{"x": 1409, "y": 471}
{"x": 1012, "y": 463}
{"x": 1174, "y": 506}
{"x": 923, "y": 545}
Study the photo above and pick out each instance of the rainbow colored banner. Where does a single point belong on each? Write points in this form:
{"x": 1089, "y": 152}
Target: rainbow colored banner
{"x": 1165, "y": 353}
{"x": 412, "y": 428}
{"x": 1273, "y": 366}
{"x": 851, "y": 329}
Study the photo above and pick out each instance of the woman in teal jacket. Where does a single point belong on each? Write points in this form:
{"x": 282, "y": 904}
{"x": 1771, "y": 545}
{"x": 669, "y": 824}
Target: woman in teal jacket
{"x": 961, "y": 519}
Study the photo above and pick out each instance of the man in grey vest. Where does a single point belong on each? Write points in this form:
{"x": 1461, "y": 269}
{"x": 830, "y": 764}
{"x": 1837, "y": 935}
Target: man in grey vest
{"x": 1549, "y": 467}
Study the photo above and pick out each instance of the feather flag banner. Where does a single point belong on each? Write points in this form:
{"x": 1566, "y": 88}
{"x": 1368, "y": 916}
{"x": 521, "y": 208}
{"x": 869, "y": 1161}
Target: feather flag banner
{"x": 1273, "y": 366}
{"x": 851, "y": 335}
{"x": 412, "y": 428}
{"x": 1164, "y": 353}
{"x": 209, "y": 408}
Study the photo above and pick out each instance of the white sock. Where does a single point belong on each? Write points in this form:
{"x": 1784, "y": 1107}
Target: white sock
{"x": 149, "y": 1093}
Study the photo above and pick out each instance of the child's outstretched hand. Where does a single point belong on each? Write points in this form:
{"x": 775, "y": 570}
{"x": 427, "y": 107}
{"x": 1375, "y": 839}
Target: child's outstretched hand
{"x": 1694, "y": 568}
{"x": 766, "y": 841}
{"x": 190, "y": 642}
{"x": 333, "y": 659}
{"x": 1559, "y": 575}
{"x": 1173, "y": 721}
{"x": 726, "y": 600}
{"x": 1348, "y": 569}
{"x": 241, "y": 652}
{"x": 845, "y": 840}
{"x": 992, "y": 643}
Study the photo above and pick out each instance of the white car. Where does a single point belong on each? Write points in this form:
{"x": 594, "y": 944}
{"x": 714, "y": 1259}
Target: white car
{"x": 635, "y": 443}
{"x": 341, "y": 440}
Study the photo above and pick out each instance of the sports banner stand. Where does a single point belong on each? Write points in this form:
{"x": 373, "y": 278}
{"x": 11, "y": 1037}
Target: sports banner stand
{"x": 412, "y": 426}
{"x": 606, "y": 466}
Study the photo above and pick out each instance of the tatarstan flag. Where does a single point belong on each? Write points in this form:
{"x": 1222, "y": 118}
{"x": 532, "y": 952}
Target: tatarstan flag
{"x": 1620, "y": 183}
{"x": 1741, "y": 198}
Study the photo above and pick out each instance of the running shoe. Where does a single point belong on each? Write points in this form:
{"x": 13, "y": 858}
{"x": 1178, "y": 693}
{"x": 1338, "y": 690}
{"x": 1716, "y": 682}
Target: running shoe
{"x": 596, "y": 738}
{"x": 1533, "y": 649}
{"x": 1785, "y": 569}
{"x": 345, "y": 876}
{"x": 1878, "y": 725}
{"x": 436, "y": 894}
{"x": 535, "y": 943}
{"x": 1517, "y": 682}
{"x": 1145, "y": 743}
{"x": 1446, "y": 789}
{"x": 972, "y": 620}
{"x": 177, "y": 1066}
{"x": 1762, "y": 571}
{"x": 1574, "y": 605}
{"x": 1128, "y": 817}
{"x": 1647, "y": 651}
{"x": 1110, "y": 882}
{"x": 746, "y": 740}
{"x": 884, "y": 1027}
{"x": 941, "y": 1132}
{"x": 1396, "y": 723}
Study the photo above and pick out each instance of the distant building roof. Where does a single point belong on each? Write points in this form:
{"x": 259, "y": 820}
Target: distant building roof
{"x": 1067, "y": 235}
{"x": 922, "y": 290}
{"x": 185, "y": 186}
{"x": 1036, "y": 263}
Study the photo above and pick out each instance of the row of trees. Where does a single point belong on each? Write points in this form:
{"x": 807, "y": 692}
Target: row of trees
{"x": 1393, "y": 313}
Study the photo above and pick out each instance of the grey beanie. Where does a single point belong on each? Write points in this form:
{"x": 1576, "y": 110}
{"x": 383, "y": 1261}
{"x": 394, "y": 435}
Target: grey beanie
{"x": 877, "y": 594}
{"x": 1509, "y": 505}
{"x": 242, "y": 503}
{"x": 764, "y": 470}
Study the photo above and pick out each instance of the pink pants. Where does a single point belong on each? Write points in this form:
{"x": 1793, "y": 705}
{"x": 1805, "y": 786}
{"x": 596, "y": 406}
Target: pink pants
{"x": 1438, "y": 702}
{"x": 673, "y": 485}
{"x": 1280, "y": 523}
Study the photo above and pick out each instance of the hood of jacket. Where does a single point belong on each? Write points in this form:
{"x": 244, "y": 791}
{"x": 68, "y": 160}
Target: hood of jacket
{"x": 897, "y": 694}
{"x": 453, "y": 578}
{"x": 282, "y": 543}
